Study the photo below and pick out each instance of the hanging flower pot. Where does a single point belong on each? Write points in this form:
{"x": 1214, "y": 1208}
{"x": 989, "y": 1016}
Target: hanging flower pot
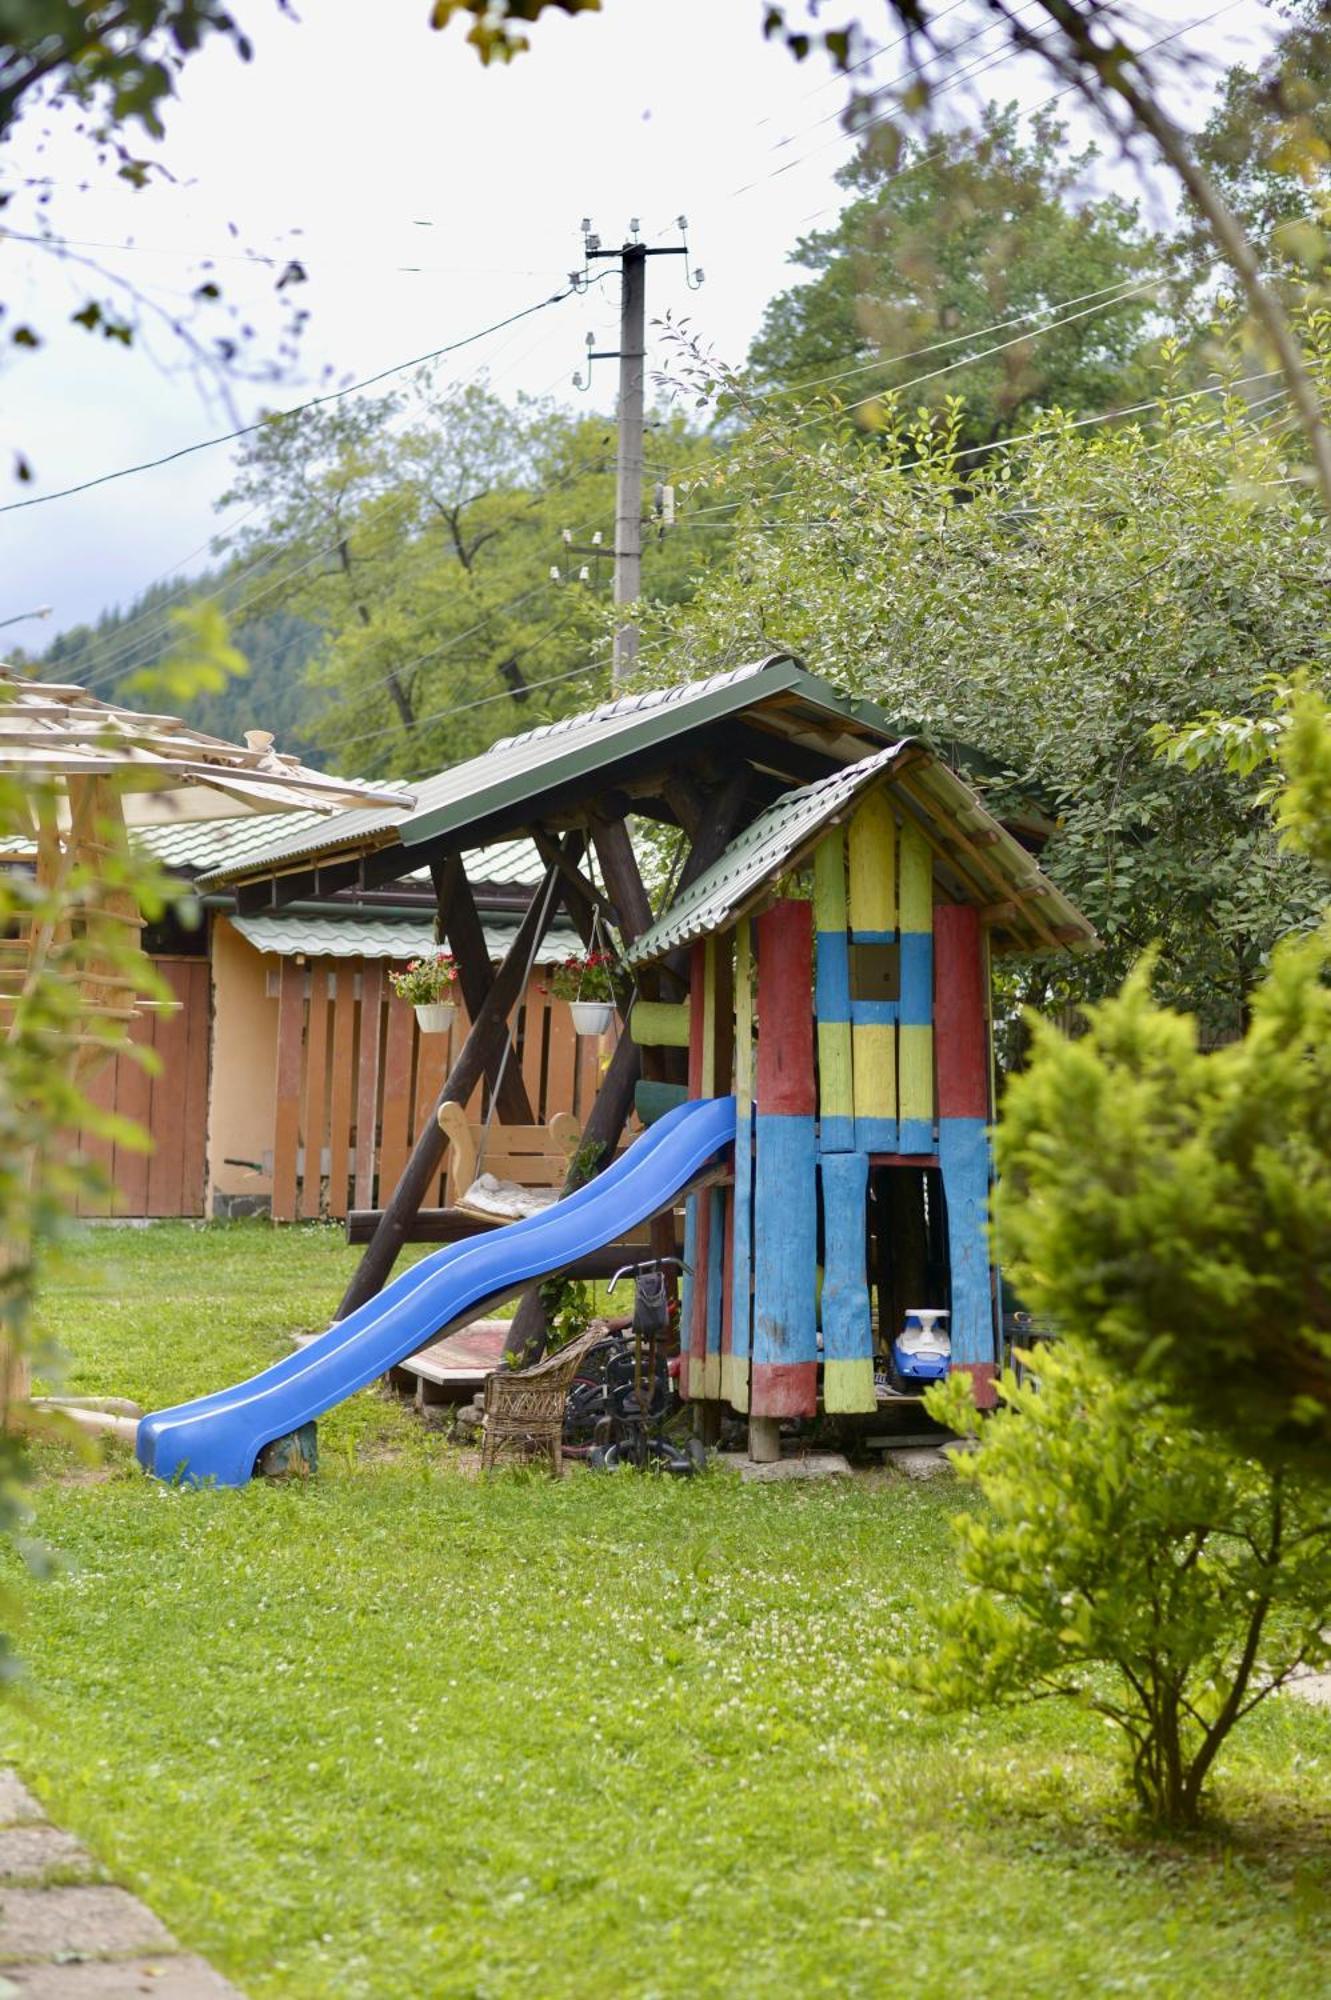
{"x": 586, "y": 981}
{"x": 591, "y": 1017}
{"x": 434, "y": 1017}
{"x": 429, "y": 984}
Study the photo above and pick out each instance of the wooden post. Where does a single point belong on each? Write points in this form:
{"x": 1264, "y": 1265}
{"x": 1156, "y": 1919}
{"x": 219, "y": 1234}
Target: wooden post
{"x": 614, "y": 1101}
{"x": 488, "y": 1029}
{"x": 836, "y": 1095}
{"x": 962, "y": 1057}
{"x": 915, "y": 1011}
{"x": 460, "y": 922}
{"x": 735, "y": 1362}
{"x": 785, "y": 1340}
{"x": 847, "y": 1326}
{"x": 873, "y": 919}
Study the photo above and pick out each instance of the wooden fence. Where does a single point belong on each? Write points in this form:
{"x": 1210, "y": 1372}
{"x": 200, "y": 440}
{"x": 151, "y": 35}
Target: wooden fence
{"x": 357, "y": 1081}
{"x": 171, "y": 1106}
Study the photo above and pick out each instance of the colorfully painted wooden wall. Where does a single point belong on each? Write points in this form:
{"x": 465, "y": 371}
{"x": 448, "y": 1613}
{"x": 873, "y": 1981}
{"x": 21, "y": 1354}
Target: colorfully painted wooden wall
{"x": 900, "y": 1080}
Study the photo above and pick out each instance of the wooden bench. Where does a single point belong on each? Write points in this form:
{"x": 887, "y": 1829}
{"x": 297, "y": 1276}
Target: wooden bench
{"x": 535, "y": 1156}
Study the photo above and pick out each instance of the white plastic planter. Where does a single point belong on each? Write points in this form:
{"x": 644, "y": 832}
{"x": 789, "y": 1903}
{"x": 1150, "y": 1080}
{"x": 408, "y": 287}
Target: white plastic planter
{"x": 435, "y": 1017}
{"x": 591, "y": 1017}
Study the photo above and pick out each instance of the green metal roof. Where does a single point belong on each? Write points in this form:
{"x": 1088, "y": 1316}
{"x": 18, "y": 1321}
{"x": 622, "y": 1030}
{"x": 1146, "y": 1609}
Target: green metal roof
{"x": 215, "y": 845}
{"x": 788, "y": 831}
{"x": 296, "y": 936}
{"x": 517, "y": 775}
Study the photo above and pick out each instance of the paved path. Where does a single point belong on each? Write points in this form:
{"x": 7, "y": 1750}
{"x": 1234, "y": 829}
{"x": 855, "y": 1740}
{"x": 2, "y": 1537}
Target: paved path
{"x": 66, "y": 1934}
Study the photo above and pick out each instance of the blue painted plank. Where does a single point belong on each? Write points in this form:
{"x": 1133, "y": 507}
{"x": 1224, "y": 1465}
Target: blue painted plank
{"x": 963, "y": 1155}
{"x": 917, "y": 979}
{"x": 785, "y": 1227}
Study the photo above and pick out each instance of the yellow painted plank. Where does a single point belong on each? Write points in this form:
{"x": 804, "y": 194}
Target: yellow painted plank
{"x": 915, "y": 1056}
{"x": 743, "y": 1015}
{"x": 660, "y": 1024}
{"x": 873, "y": 865}
{"x": 875, "y": 1060}
{"x": 917, "y": 880}
{"x": 848, "y": 1387}
{"x": 709, "y": 1023}
{"x": 829, "y": 882}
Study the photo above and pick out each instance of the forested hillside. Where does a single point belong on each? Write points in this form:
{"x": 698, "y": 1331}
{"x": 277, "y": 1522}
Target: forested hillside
{"x": 278, "y": 644}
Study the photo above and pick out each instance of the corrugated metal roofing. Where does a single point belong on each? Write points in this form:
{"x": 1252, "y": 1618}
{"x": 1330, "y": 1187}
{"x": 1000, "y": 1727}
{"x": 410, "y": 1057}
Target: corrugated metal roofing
{"x": 379, "y": 937}
{"x": 787, "y": 831}
{"x": 206, "y": 845}
{"x": 519, "y": 769}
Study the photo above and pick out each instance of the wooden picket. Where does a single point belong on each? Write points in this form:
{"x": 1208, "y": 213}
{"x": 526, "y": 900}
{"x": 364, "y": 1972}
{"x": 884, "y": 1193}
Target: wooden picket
{"x": 170, "y": 1103}
{"x": 356, "y": 1082}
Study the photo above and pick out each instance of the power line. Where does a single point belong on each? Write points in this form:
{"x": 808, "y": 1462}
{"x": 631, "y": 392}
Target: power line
{"x": 1056, "y": 97}
{"x": 278, "y": 416}
{"x": 953, "y": 340}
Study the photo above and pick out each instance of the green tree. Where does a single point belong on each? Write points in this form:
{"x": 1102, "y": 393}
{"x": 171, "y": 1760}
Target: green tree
{"x": 1127, "y": 1563}
{"x": 1267, "y": 147}
{"x": 969, "y": 229}
{"x": 419, "y": 534}
{"x": 1050, "y": 608}
{"x": 1174, "y": 1207}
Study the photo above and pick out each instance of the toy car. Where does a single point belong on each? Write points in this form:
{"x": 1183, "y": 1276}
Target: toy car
{"x": 922, "y": 1351}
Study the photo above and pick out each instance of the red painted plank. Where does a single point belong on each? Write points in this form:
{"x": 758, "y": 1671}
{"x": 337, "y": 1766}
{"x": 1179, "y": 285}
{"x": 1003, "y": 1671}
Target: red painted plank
{"x": 784, "y": 1388}
{"x": 286, "y": 1121}
{"x": 367, "y": 1079}
{"x": 697, "y": 1340}
{"x": 343, "y": 1084}
{"x": 961, "y": 1038}
{"x": 785, "y": 1009}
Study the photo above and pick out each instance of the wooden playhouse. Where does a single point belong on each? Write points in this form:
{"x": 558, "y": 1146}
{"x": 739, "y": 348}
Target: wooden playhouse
{"x": 822, "y": 949}
{"x": 840, "y": 987}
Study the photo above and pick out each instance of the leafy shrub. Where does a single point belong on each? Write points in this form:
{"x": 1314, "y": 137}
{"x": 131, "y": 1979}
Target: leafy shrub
{"x": 1129, "y": 1563}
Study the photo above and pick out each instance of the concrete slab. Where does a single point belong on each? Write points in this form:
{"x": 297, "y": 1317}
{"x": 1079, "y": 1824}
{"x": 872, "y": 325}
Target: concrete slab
{"x": 29, "y": 1852}
{"x": 120, "y": 1979}
{"x": 925, "y": 1463}
{"x": 16, "y": 1801}
{"x": 814, "y": 1465}
{"x": 79, "y": 1923}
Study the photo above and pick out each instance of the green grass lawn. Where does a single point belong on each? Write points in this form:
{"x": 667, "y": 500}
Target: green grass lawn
{"x": 396, "y": 1733}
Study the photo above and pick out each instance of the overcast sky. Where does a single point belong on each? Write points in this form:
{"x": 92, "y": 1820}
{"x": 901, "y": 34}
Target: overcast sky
{"x": 427, "y": 198}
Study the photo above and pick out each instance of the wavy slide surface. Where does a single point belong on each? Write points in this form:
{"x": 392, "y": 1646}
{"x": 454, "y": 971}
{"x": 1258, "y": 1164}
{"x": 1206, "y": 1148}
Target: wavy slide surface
{"x": 218, "y": 1437}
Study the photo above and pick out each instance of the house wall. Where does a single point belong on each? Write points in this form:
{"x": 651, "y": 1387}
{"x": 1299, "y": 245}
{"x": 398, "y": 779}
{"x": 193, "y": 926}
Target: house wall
{"x": 321, "y": 1076}
{"x": 240, "y": 1110}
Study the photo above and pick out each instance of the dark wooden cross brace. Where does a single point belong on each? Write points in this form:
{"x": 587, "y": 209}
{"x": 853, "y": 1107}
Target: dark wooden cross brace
{"x": 458, "y": 923}
{"x": 717, "y": 824}
{"x": 483, "y": 1047}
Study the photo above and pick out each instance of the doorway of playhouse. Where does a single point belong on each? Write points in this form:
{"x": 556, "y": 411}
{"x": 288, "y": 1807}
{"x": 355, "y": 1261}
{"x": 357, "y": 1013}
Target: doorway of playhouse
{"x": 907, "y": 1261}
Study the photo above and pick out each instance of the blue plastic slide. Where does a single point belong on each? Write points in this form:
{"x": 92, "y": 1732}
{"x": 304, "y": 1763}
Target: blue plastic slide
{"x": 219, "y": 1437}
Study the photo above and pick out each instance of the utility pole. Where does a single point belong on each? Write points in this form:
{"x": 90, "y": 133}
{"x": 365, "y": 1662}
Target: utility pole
{"x": 631, "y": 355}
{"x": 628, "y": 472}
